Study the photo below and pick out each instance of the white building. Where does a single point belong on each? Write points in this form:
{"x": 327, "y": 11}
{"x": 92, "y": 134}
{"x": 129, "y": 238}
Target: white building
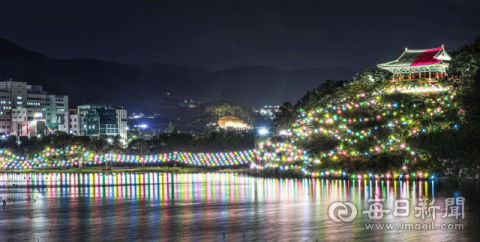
{"x": 28, "y": 121}
{"x": 122, "y": 124}
{"x": 72, "y": 123}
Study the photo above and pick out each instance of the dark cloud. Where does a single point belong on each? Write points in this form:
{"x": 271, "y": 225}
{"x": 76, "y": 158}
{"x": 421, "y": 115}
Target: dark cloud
{"x": 223, "y": 34}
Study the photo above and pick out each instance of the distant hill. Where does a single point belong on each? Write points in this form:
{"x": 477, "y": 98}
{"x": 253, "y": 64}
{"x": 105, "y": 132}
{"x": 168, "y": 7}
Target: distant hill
{"x": 89, "y": 80}
{"x": 158, "y": 87}
{"x": 256, "y": 86}
{"x": 185, "y": 71}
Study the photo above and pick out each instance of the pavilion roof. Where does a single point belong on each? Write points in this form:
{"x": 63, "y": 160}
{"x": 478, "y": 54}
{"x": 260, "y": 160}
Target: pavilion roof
{"x": 419, "y": 58}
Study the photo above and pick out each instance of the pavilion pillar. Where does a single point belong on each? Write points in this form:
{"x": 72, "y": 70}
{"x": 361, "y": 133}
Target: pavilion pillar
{"x": 393, "y": 78}
{"x": 409, "y": 76}
{"x": 429, "y": 75}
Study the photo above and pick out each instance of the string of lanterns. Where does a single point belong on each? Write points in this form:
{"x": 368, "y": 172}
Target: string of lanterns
{"x": 72, "y": 156}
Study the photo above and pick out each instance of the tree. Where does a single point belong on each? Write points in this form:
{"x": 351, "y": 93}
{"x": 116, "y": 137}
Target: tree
{"x": 471, "y": 102}
{"x": 283, "y": 118}
{"x": 466, "y": 61}
{"x": 220, "y": 109}
{"x": 143, "y": 148}
{"x": 205, "y": 133}
{"x": 59, "y": 133}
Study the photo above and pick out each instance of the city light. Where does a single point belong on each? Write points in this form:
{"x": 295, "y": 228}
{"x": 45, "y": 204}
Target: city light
{"x": 263, "y": 131}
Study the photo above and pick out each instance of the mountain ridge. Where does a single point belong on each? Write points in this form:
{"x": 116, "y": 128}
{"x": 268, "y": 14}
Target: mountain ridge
{"x": 150, "y": 87}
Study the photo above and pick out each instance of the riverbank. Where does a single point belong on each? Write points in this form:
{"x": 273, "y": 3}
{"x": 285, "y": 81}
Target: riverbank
{"x": 358, "y": 176}
{"x": 192, "y": 170}
{"x": 132, "y": 170}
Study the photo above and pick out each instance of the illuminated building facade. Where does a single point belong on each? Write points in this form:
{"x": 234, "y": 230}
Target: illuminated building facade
{"x": 230, "y": 122}
{"x": 31, "y": 99}
{"x": 104, "y": 119}
{"x": 415, "y": 64}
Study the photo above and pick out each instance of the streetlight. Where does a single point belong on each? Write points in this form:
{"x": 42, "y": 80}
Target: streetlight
{"x": 263, "y": 131}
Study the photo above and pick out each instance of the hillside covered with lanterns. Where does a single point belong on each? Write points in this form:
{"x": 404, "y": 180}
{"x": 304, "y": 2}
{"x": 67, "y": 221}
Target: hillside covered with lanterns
{"x": 382, "y": 124}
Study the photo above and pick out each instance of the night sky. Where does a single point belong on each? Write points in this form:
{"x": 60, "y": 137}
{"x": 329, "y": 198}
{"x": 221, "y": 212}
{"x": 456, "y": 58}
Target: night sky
{"x": 216, "y": 35}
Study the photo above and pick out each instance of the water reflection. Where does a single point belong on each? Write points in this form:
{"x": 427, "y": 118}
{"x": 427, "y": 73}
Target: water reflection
{"x": 166, "y": 206}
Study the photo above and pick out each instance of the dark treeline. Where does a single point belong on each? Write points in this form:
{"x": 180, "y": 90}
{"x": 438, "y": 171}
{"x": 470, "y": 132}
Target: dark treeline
{"x": 60, "y": 139}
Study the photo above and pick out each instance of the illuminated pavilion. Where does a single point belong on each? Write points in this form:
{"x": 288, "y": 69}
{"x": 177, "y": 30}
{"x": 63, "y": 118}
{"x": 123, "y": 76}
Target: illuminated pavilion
{"x": 414, "y": 64}
{"x": 233, "y": 122}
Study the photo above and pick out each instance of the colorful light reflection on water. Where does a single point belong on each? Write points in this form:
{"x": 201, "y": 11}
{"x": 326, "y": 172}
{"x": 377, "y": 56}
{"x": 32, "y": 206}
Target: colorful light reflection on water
{"x": 201, "y": 207}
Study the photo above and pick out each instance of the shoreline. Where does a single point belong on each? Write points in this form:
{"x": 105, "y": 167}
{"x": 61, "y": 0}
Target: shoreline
{"x": 192, "y": 170}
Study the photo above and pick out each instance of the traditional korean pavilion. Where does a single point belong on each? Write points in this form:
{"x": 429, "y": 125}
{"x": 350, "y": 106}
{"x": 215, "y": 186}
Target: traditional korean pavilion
{"x": 413, "y": 64}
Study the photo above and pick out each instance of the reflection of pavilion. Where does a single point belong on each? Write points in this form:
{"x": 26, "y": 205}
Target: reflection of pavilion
{"x": 414, "y": 64}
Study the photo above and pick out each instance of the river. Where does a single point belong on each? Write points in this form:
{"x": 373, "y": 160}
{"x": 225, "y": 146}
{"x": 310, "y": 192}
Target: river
{"x": 228, "y": 207}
